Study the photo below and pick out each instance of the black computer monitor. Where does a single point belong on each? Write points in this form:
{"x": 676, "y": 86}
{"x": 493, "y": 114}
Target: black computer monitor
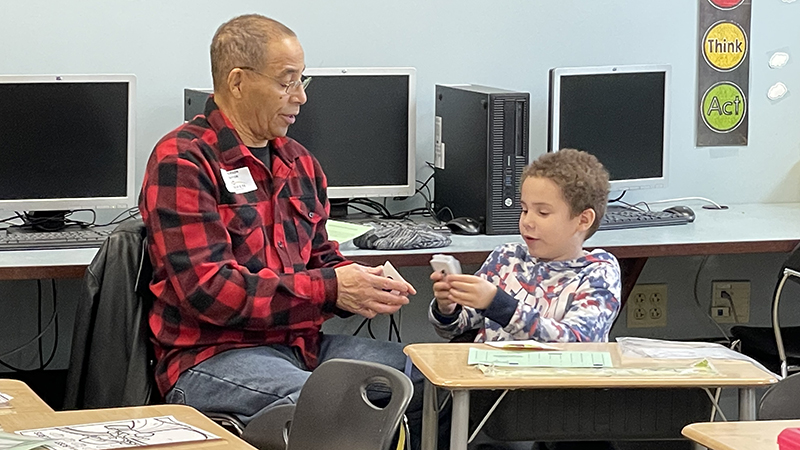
{"x": 67, "y": 142}
{"x": 620, "y": 114}
{"x": 360, "y": 123}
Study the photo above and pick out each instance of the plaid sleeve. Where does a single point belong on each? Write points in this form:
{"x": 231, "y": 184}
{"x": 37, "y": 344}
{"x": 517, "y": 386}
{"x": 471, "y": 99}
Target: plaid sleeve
{"x": 192, "y": 252}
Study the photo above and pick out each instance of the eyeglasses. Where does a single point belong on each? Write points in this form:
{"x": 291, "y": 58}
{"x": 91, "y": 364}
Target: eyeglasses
{"x": 288, "y": 87}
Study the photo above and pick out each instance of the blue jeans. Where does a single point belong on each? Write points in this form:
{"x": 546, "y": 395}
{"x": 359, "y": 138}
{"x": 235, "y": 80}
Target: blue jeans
{"x": 248, "y": 381}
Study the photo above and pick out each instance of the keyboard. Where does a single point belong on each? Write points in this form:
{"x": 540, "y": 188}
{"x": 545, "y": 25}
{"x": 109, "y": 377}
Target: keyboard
{"x": 45, "y": 240}
{"x": 619, "y": 217}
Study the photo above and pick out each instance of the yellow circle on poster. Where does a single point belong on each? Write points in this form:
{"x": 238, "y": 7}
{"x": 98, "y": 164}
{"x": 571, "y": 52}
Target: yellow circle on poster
{"x": 724, "y": 46}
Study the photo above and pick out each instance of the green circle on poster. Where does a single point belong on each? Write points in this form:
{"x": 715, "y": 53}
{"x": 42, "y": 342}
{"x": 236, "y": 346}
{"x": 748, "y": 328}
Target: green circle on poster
{"x": 724, "y": 107}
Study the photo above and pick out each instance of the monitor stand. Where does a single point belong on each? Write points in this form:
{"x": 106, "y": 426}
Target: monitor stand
{"x": 45, "y": 220}
{"x": 338, "y": 208}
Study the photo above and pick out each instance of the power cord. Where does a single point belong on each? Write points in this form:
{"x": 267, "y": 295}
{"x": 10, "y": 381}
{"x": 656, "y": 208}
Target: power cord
{"x": 42, "y": 332}
{"x": 727, "y": 296}
{"x": 697, "y": 300}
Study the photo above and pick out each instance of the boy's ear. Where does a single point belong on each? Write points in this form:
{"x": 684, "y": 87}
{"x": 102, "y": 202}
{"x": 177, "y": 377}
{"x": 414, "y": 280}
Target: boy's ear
{"x": 586, "y": 219}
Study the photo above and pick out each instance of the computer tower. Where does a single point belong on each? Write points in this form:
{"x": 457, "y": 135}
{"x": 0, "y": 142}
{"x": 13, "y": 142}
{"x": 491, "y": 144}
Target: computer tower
{"x": 194, "y": 102}
{"x": 481, "y": 142}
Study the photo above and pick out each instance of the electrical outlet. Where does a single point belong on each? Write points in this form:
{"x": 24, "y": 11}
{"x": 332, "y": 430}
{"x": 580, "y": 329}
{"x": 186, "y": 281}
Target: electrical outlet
{"x": 730, "y": 301}
{"x": 647, "y": 306}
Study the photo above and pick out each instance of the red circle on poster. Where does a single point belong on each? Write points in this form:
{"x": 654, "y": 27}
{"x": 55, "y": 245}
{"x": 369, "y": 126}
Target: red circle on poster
{"x": 726, "y": 4}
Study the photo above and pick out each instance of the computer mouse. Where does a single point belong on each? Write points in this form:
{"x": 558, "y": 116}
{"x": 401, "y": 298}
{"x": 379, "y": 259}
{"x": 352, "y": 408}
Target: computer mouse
{"x": 682, "y": 210}
{"x": 464, "y": 225}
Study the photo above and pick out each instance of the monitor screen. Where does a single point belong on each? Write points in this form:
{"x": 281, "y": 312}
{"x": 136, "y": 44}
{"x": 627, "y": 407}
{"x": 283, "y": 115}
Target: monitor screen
{"x": 617, "y": 113}
{"x": 361, "y": 126}
{"x": 66, "y": 142}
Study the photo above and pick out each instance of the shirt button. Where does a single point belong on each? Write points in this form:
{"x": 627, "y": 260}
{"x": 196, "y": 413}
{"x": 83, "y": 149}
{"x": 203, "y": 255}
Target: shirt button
{"x": 280, "y": 244}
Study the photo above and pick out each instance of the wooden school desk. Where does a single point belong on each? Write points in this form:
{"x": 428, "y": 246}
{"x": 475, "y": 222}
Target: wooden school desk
{"x": 445, "y": 366}
{"x": 24, "y": 401}
{"x": 185, "y": 414}
{"x": 761, "y": 435}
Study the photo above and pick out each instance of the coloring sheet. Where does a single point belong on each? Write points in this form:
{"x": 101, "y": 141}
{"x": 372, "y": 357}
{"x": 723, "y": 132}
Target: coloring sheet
{"x": 121, "y": 434}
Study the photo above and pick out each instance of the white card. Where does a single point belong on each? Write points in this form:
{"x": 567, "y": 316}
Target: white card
{"x": 238, "y": 181}
{"x": 390, "y": 272}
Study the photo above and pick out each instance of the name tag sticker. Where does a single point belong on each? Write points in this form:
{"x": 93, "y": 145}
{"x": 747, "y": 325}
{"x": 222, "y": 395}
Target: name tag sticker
{"x": 238, "y": 181}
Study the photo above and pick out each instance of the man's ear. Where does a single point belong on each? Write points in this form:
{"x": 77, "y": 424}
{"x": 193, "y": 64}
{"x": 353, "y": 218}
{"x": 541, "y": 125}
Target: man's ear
{"x": 586, "y": 219}
{"x": 234, "y": 83}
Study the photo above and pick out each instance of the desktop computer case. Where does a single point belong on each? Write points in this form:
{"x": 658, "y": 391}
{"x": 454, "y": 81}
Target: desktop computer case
{"x": 194, "y": 102}
{"x": 485, "y": 135}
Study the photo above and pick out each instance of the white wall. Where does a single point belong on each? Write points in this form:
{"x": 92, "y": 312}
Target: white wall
{"x": 510, "y": 44}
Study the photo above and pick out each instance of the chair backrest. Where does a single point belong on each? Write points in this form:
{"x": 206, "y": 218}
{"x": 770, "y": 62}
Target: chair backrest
{"x": 780, "y": 400}
{"x": 112, "y": 358}
{"x": 333, "y": 410}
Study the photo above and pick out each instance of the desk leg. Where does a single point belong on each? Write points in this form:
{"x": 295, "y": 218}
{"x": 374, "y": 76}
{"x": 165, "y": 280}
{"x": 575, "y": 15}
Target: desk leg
{"x": 747, "y": 404}
{"x": 459, "y": 432}
{"x": 430, "y": 417}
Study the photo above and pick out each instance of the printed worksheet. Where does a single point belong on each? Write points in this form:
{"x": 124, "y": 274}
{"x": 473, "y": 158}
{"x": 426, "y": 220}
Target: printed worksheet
{"x": 121, "y": 434}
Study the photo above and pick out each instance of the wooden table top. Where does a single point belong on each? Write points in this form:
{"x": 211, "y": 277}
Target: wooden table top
{"x": 24, "y": 401}
{"x": 186, "y": 414}
{"x": 445, "y": 365}
{"x": 760, "y": 435}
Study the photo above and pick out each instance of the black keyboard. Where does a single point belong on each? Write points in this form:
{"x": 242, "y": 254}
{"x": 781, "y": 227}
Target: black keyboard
{"x": 618, "y": 217}
{"x": 45, "y": 240}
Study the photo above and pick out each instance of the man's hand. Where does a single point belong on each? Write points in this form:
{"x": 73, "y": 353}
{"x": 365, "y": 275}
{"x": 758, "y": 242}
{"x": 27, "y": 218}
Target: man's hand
{"x": 441, "y": 292}
{"x": 365, "y": 291}
{"x": 469, "y": 290}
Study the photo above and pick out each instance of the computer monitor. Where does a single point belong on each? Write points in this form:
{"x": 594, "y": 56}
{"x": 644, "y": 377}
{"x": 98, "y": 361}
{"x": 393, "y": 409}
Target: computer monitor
{"x": 620, "y": 114}
{"x": 360, "y": 123}
{"x": 67, "y": 142}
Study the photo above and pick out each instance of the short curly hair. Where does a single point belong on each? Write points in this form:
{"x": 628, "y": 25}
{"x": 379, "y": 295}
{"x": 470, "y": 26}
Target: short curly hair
{"x": 242, "y": 41}
{"x": 582, "y": 178}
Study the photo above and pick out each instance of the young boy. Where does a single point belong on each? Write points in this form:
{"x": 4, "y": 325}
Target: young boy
{"x": 549, "y": 289}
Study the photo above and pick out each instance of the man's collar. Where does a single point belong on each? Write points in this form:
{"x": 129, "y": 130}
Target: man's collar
{"x": 230, "y": 145}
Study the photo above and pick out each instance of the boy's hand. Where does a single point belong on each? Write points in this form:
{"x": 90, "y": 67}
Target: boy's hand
{"x": 441, "y": 291}
{"x": 469, "y": 290}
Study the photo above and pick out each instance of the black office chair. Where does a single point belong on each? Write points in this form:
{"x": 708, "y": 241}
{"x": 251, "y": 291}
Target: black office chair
{"x": 333, "y": 410}
{"x": 780, "y": 400}
{"x": 112, "y": 360}
{"x": 776, "y": 347}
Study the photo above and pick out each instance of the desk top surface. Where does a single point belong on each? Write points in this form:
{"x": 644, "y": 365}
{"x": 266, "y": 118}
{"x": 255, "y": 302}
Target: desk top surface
{"x": 745, "y": 228}
{"x": 762, "y": 435}
{"x": 186, "y": 414}
{"x": 445, "y": 365}
{"x": 24, "y": 401}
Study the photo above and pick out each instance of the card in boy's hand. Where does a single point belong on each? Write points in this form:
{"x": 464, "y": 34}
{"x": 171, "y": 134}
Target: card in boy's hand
{"x": 446, "y": 264}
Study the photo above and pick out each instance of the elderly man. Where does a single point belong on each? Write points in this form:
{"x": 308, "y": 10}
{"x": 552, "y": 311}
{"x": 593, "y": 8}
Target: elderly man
{"x": 244, "y": 273}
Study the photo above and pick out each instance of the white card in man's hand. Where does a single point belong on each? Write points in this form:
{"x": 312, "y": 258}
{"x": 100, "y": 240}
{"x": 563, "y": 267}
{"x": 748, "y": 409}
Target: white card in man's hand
{"x": 446, "y": 264}
{"x": 390, "y": 272}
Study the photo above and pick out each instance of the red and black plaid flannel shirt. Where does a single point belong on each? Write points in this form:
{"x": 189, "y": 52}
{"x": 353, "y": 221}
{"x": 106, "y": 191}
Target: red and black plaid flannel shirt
{"x": 234, "y": 270}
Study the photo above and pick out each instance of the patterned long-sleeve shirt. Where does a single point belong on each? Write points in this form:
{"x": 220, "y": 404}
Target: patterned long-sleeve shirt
{"x": 240, "y": 253}
{"x": 548, "y": 301}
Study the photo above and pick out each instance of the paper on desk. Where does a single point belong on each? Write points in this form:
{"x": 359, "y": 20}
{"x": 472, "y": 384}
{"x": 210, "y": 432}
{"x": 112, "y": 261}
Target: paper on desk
{"x": 10, "y": 441}
{"x": 507, "y": 358}
{"x": 344, "y": 231}
{"x": 521, "y": 345}
{"x": 4, "y": 400}
{"x": 121, "y": 434}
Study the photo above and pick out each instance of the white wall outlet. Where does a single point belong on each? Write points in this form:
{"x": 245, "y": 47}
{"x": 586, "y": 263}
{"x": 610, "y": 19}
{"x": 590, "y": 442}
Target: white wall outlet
{"x": 647, "y": 306}
{"x": 730, "y": 301}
